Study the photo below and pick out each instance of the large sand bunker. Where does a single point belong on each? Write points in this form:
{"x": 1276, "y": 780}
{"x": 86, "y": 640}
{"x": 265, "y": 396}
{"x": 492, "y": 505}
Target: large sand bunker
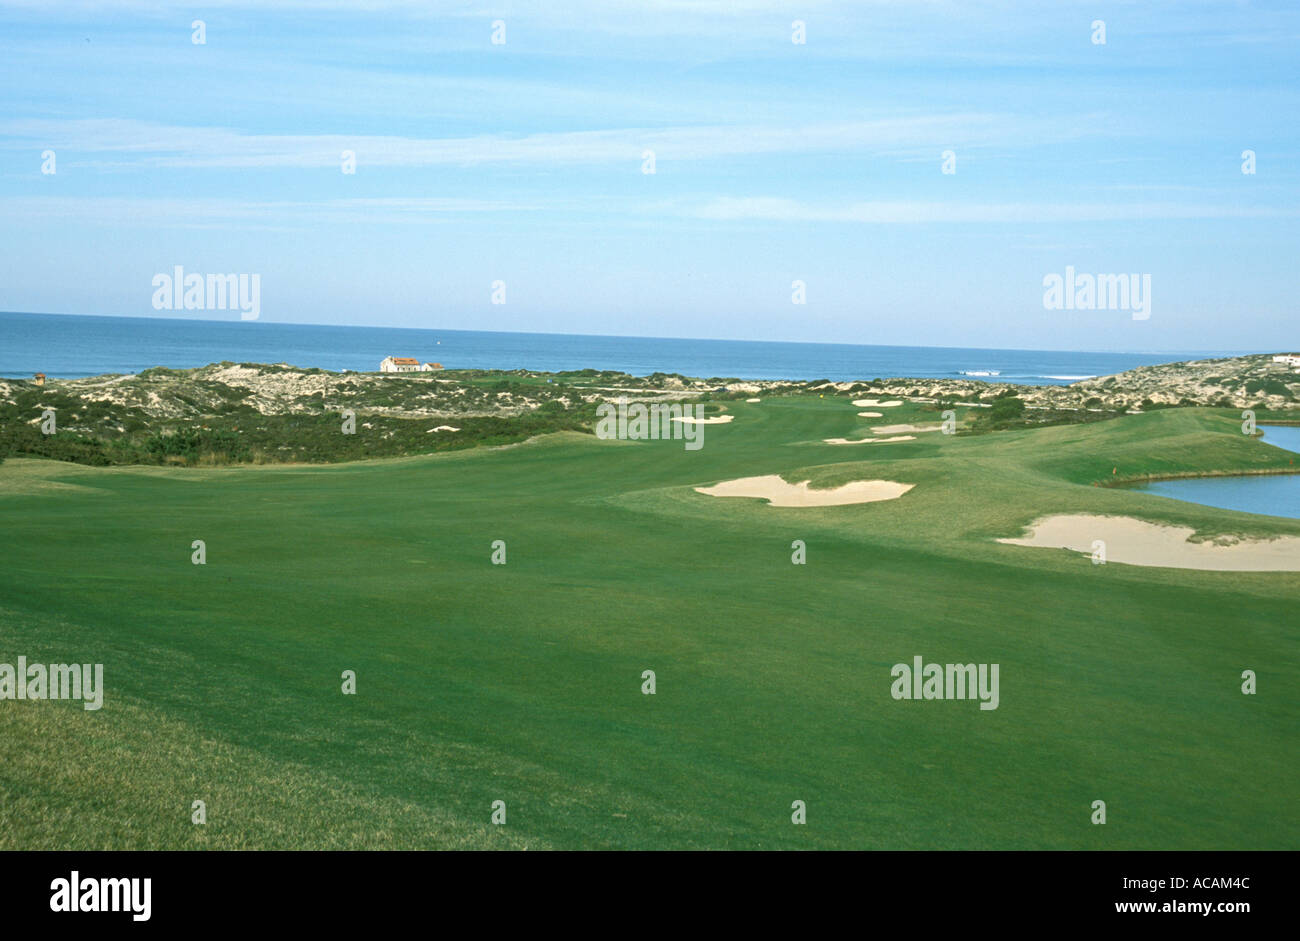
{"x": 895, "y": 429}
{"x": 1137, "y": 542}
{"x": 779, "y": 493}
{"x": 716, "y": 420}
{"x": 869, "y": 403}
{"x": 869, "y": 440}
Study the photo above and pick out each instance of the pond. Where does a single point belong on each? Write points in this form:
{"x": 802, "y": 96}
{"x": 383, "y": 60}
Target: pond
{"x": 1271, "y": 495}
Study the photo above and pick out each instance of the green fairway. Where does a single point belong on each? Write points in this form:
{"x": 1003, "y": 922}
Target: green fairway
{"x": 522, "y": 682}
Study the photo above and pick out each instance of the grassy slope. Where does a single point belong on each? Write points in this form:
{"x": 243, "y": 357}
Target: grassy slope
{"x": 522, "y": 682}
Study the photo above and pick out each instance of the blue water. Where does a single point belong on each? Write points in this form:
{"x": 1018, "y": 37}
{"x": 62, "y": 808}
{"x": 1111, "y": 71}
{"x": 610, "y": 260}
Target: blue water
{"x": 68, "y": 346}
{"x": 1272, "y": 496}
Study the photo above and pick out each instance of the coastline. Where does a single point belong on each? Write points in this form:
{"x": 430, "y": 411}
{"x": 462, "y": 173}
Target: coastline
{"x": 90, "y": 345}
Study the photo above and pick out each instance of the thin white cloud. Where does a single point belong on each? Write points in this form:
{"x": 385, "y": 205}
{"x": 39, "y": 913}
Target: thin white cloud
{"x": 205, "y": 213}
{"x": 778, "y": 209}
{"x": 461, "y": 8}
{"x": 213, "y": 213}
{"x": 157, "y": 145}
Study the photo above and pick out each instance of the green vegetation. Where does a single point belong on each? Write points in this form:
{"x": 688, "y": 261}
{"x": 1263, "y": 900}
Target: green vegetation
{"x": 522, "y": 682}
{"x": 241, "y": 434}
{"x": 1267, "y": 386}
{"x": 1006, "y": 410}
{"x": 233, "y": 413}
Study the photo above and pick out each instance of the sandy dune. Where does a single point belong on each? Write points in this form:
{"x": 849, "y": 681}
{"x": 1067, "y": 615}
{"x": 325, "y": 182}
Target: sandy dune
{"x": 895, "y": 429}
{"x": 1137, "y": 542}
{"x": 717, "y": 420}
{"x": 779, "y": 493}
{"x": 869, "y": 440}
{"x": 868, "y": 403}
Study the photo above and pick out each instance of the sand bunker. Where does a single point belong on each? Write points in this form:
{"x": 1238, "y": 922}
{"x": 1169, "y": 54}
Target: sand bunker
{"x": 869, "y": 440}
{"x": 1137, "y": 542}
{"x": 753, "y": 400}
{"x": 870, "y": 415}
{"x": 868, "y": 403}
{"x": 779, "y": 493}
{"x": 895, "y": 429}
{"x": 717, "y": 420}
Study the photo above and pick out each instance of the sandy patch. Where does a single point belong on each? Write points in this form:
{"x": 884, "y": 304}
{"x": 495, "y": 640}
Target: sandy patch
{"x": 716, "y": 420}
{"x": 751, "y": 401}
{"x": 870, "y": 415}
{"x": 868, "y": 403}
{"x": 441, "y": 428}
{"x": 869, "y": 440}
{"x": 1138, "y": 542}
{"x": 779, "y": 493}
{"x": 896, "y": 429}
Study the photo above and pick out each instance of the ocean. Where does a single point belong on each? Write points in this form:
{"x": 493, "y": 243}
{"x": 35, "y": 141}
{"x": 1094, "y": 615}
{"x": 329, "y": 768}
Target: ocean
{"x": 71, "y": 346}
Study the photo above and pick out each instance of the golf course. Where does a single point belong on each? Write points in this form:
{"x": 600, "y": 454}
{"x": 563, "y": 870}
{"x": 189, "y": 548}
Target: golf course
{"x": 521, "y": 679}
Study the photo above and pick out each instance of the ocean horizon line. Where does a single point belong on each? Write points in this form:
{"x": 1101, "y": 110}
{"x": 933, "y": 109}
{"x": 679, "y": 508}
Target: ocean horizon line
{"x": 636, "y": 336}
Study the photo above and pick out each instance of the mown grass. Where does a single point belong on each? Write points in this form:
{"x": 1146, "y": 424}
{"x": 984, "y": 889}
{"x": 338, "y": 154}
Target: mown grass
{"x": 522, "y": 682}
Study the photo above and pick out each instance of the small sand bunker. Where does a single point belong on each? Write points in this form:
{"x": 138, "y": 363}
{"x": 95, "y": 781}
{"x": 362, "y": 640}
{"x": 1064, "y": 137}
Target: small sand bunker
{"x": 779, "y": 493}
{"x": 896, "y": 429}
{"x": 751, "y": 401}
{"x": 1138, "y": 542}
{"x": 870, "y": 415}
{"x": 716, "y": 420}
{"x": 868, "y": 403}
{"x": 869, "y": 440}
{"x": 441, "y": 428}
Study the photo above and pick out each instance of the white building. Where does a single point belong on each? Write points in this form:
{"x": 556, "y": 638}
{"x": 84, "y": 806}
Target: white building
{"x": 1291, "y": 359}
{"x": 430, "y": 367}
{"x": 400, "y": 364}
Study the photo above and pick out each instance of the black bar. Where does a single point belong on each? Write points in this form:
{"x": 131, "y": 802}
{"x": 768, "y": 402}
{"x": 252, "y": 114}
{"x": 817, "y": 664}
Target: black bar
{"x": 334, "y": 890}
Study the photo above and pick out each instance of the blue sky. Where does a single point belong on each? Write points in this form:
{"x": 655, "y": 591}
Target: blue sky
{"x": 775, "y": 162}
